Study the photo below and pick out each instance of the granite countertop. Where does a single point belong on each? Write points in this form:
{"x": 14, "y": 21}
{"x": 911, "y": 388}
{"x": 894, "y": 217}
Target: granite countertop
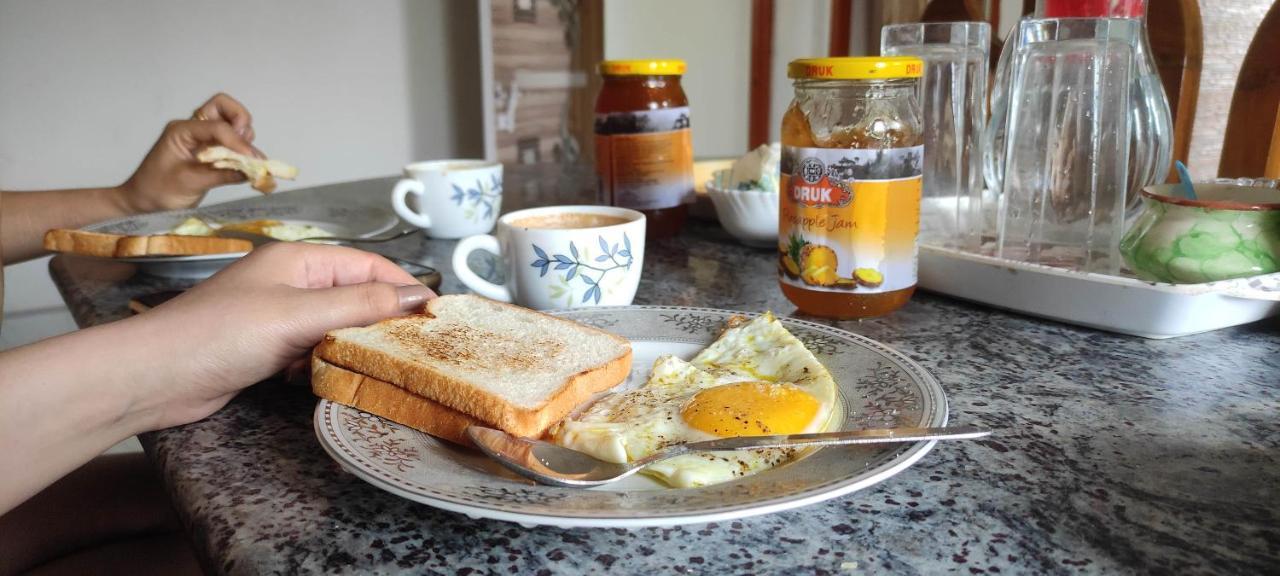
{"x": 1113, "y": 454}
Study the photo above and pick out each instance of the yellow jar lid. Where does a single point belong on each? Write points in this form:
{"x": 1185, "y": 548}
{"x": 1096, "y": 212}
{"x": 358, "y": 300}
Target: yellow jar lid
{"x": 642, "y": 67}
{"x": 857, "y": 68}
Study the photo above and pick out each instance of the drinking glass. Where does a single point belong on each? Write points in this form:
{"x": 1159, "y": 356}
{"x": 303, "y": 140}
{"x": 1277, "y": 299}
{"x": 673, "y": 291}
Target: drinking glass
{"x": 953, "y": 96}
{"x": 1066, "y": 156}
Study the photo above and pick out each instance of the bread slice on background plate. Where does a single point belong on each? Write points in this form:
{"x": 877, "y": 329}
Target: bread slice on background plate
{"x": 174, "y": 245}
{"x": 81, "y": 242}
{"x": 118, "y": 246}
{"x": 508, "y": 367}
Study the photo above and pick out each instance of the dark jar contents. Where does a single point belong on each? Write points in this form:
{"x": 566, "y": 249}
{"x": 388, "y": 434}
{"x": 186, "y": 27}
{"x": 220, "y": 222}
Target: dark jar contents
{"x": 644, "y": 147}
{"x": 849, "y": 202}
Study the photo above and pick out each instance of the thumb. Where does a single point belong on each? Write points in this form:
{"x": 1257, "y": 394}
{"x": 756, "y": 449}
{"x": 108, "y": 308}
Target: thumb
{"x": 328, "y": 309}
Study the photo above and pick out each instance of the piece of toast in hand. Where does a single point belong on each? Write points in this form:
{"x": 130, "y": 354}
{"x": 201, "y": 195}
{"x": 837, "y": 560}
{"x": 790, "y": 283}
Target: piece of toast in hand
{"x": 262, "y": 174}
{"x": 118, "y": 246}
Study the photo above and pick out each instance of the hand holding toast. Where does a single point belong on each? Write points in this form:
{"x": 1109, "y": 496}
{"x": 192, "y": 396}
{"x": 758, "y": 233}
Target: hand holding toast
{"x": 170, "y": 176}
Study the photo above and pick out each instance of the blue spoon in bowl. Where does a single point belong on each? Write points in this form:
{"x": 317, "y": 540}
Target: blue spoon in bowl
{"x": 1185, "y": 177}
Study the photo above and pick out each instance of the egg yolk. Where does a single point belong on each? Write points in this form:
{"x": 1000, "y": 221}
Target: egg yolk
{"x": 751, "y": 409}
{"x": 252, "y": 226}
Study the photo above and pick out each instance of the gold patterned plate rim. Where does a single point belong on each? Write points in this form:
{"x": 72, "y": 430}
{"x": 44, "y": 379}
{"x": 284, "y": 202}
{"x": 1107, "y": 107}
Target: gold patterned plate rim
{"x": 879, "y": 387}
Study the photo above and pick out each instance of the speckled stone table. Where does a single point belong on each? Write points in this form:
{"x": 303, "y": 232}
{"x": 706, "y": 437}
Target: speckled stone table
{"x": 1113, "y": 454}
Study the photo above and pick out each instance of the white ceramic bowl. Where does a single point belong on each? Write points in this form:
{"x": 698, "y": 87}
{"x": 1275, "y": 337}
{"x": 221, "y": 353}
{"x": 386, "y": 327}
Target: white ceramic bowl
{"x": 751, "y": 216}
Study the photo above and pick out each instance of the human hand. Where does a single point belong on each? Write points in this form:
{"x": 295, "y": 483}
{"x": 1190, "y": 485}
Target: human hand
{"x": 170, "y": 177}
{"x": 256, "y": 317}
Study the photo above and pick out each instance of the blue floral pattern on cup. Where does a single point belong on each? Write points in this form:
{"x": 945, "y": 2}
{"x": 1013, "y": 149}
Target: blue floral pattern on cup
{"x": 579, "y": 264}
{"x": 481, "y": 201}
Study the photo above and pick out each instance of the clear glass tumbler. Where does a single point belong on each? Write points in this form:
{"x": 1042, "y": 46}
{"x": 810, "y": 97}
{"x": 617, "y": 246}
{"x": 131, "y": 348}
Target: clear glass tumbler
{"x": 1066, "y": 156}
{"x": 953, "y": 103}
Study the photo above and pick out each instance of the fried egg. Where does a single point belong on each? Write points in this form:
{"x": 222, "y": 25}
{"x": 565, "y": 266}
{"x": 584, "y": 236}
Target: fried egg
{"x": 756, "y": 379}
{"x": 285, "y": 231}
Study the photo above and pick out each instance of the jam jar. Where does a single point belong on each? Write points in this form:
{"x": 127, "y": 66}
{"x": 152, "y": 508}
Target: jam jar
{"x": 644, "y": 147}
{"x": 849, "y": 211}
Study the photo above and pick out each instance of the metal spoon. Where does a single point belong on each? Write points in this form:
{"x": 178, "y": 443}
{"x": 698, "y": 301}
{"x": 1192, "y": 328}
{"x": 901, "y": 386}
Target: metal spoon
{"x": 547, "y": 463}
{"x": 263, "y": 239}
{"x": 364, "y": 240}
{"x": 427, "y": 275}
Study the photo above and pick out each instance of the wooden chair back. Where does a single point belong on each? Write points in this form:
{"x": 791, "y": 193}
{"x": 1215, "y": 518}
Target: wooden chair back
{"x": 1176, "y": 34}
{"x": 1273, "y": 156}
{"x": 1250, "y": 146}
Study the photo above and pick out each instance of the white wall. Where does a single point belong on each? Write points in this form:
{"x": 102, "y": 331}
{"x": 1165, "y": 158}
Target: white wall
{"x": 344, "y": 90}
{"x": 801, "y": 29}
{"x": 714, "y": 37}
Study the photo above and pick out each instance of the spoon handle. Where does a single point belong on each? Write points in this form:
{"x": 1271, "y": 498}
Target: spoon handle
{"x": 869, "y": 436}
{"x": 1184, "y": 177}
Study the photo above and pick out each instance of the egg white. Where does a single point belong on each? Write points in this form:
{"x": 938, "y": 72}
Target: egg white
{"x": 285, "y": 231}
{"x": 764, "y": 350}
{"x": 631, "y": 425}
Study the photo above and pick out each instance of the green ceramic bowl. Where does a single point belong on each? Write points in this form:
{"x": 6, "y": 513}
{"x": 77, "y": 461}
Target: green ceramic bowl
{"x": 1230, "y": 231}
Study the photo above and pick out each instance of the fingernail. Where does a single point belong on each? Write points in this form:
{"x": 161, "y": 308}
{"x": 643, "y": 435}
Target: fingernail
{"x": 413, "y": 296}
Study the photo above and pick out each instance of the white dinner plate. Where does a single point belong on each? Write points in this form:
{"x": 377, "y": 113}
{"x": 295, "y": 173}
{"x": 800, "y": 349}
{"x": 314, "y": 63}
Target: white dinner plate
{"x": 345, "y": 221}
{"x": 879, "y": 388}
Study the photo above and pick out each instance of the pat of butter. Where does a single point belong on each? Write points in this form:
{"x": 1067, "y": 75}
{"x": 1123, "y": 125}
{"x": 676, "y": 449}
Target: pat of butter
{"x": 757, "y": 170}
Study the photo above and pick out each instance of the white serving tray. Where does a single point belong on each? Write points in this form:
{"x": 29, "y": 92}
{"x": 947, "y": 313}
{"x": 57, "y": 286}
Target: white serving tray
{"x": 1114, "y": 303}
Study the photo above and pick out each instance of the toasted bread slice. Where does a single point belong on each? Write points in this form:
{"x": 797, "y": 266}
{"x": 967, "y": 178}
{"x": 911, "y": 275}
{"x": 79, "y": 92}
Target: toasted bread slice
{"x": 389, "y": 401}
{"x": 262, "y": 174}
{"x": 81, "y": 242}
{"x": 172, "y": 245}
{"x": 512, "y": 368}
{"x": 118, "y": 246}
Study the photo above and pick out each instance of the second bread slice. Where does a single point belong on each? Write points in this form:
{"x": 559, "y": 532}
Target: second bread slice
{"x": 174, "y": 245}
{"x": 389, "y": 401}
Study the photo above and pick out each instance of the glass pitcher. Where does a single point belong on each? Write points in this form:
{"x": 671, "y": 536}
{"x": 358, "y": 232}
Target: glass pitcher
{"x": 1150, "y": 121}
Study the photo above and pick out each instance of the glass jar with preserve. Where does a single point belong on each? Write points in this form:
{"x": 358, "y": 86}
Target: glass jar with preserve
{"x": 849, "y": 211}
{"x": 644, "y": 149}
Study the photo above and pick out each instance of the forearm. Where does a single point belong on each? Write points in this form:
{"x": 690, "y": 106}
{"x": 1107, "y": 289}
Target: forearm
{"x": 65, "y": 400}
{"x": 26, "y": 216}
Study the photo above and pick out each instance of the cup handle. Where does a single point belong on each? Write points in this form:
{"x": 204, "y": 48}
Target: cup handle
{"x": 403, "y": 188}
{"x": 472, "y": 280}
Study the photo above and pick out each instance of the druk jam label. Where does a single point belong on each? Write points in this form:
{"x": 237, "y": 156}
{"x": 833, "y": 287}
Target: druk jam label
{"x": 644, "y": 159}
{"x": 849, "y": 218}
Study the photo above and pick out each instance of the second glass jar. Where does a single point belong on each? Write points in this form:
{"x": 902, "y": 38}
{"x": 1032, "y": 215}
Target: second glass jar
{"x": 644, "y": 147}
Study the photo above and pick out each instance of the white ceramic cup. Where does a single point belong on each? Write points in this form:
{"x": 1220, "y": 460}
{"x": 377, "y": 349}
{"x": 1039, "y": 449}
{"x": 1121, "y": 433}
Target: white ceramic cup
{"x": 452, "y": 198}
{"x": 561, "y": 267}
